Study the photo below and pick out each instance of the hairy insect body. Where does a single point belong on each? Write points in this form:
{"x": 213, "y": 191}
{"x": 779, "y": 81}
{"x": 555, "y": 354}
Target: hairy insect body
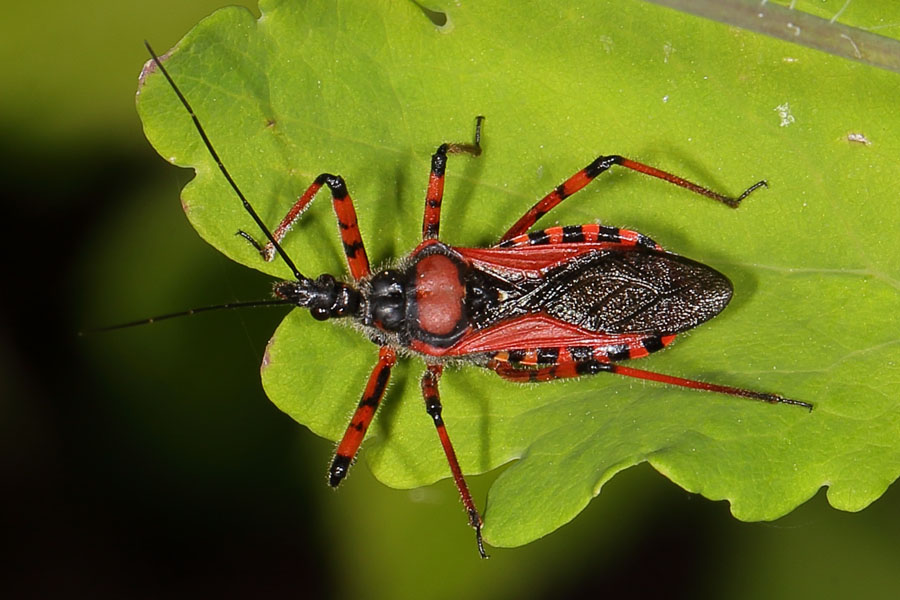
{"x": 439, "y": 300}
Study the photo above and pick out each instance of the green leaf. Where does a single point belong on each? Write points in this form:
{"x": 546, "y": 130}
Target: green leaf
{"x": 369, "y": 90}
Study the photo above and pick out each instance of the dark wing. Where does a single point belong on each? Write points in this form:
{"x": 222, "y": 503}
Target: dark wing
{"x": 631, "y": 291}
{"x": 606, "y": 288}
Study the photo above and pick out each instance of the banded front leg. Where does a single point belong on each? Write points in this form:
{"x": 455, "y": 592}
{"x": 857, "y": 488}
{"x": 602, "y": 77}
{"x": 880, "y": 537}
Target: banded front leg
{"x": 354, "y": 249}
{"x": 431, "y": 222}
{"x": 362, "y": 418}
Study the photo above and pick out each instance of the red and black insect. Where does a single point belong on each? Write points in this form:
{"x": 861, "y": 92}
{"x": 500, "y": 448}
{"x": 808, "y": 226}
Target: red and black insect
{"x": 539, "y": 305}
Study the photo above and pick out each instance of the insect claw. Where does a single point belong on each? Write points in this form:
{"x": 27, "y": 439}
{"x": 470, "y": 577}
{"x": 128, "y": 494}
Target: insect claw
{"x": 476, "y": 522}
{"x": 480, "y": 543}
{"x": 807, "y": 405}
{"x": 339, "y": 467}
{"x": 267, "y": 252}
{"x": 778, "y": 399}
{"x": 250, "y": 240}
{"x": 474, "y": 148}
{"x": 748, "y": 191}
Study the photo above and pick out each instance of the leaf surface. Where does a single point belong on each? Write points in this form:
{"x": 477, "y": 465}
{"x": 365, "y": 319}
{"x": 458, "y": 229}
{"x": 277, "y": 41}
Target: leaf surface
{"x": 369, "y": 90}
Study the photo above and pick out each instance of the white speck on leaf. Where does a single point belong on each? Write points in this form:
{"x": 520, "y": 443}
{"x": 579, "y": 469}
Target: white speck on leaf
{"x": 606, "y": 43}
{"x": 668, "y": 49}
{"x": 784, "y": 113}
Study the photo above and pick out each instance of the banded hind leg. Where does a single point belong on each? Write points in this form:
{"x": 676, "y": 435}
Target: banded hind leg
{"x": 583, "y": 177}
{"x": 591, "y": 233}
{"x": 548, "y": 364}
{"x": 354, "y": 249}
{"x": 430, "y": 380}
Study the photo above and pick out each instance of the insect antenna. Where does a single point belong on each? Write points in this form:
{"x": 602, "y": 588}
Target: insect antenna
{"x": 188, "y": 313}
{"x": 212, "y": 151}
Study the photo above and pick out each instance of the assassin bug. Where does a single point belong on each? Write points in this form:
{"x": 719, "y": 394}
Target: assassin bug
{"x": 550, "y": 304}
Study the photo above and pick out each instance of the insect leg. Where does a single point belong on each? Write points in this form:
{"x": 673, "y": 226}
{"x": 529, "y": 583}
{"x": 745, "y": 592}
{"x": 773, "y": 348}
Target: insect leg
{"x": 711, "y": 387}
{"x": 563, "y": 369}
{"x": 362, "y": 418}
{"x": 431, "y": 222}
{"x": 433, "y": 405}
{"x": 591, "y": 233}
{"x": 354, "y": 249}
{"x": 569, "y": 367}
{"x": 583, "y": 177}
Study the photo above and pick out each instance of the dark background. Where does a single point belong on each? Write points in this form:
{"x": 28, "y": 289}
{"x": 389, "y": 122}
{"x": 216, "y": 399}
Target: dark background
{"x": 148, "y": 462}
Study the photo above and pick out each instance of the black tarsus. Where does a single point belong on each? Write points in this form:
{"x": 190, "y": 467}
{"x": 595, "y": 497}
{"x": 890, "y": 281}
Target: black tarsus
{"x": 247, "y": 206}
{"x": 474, "y": 148}
{"x": 751, "y": 189}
